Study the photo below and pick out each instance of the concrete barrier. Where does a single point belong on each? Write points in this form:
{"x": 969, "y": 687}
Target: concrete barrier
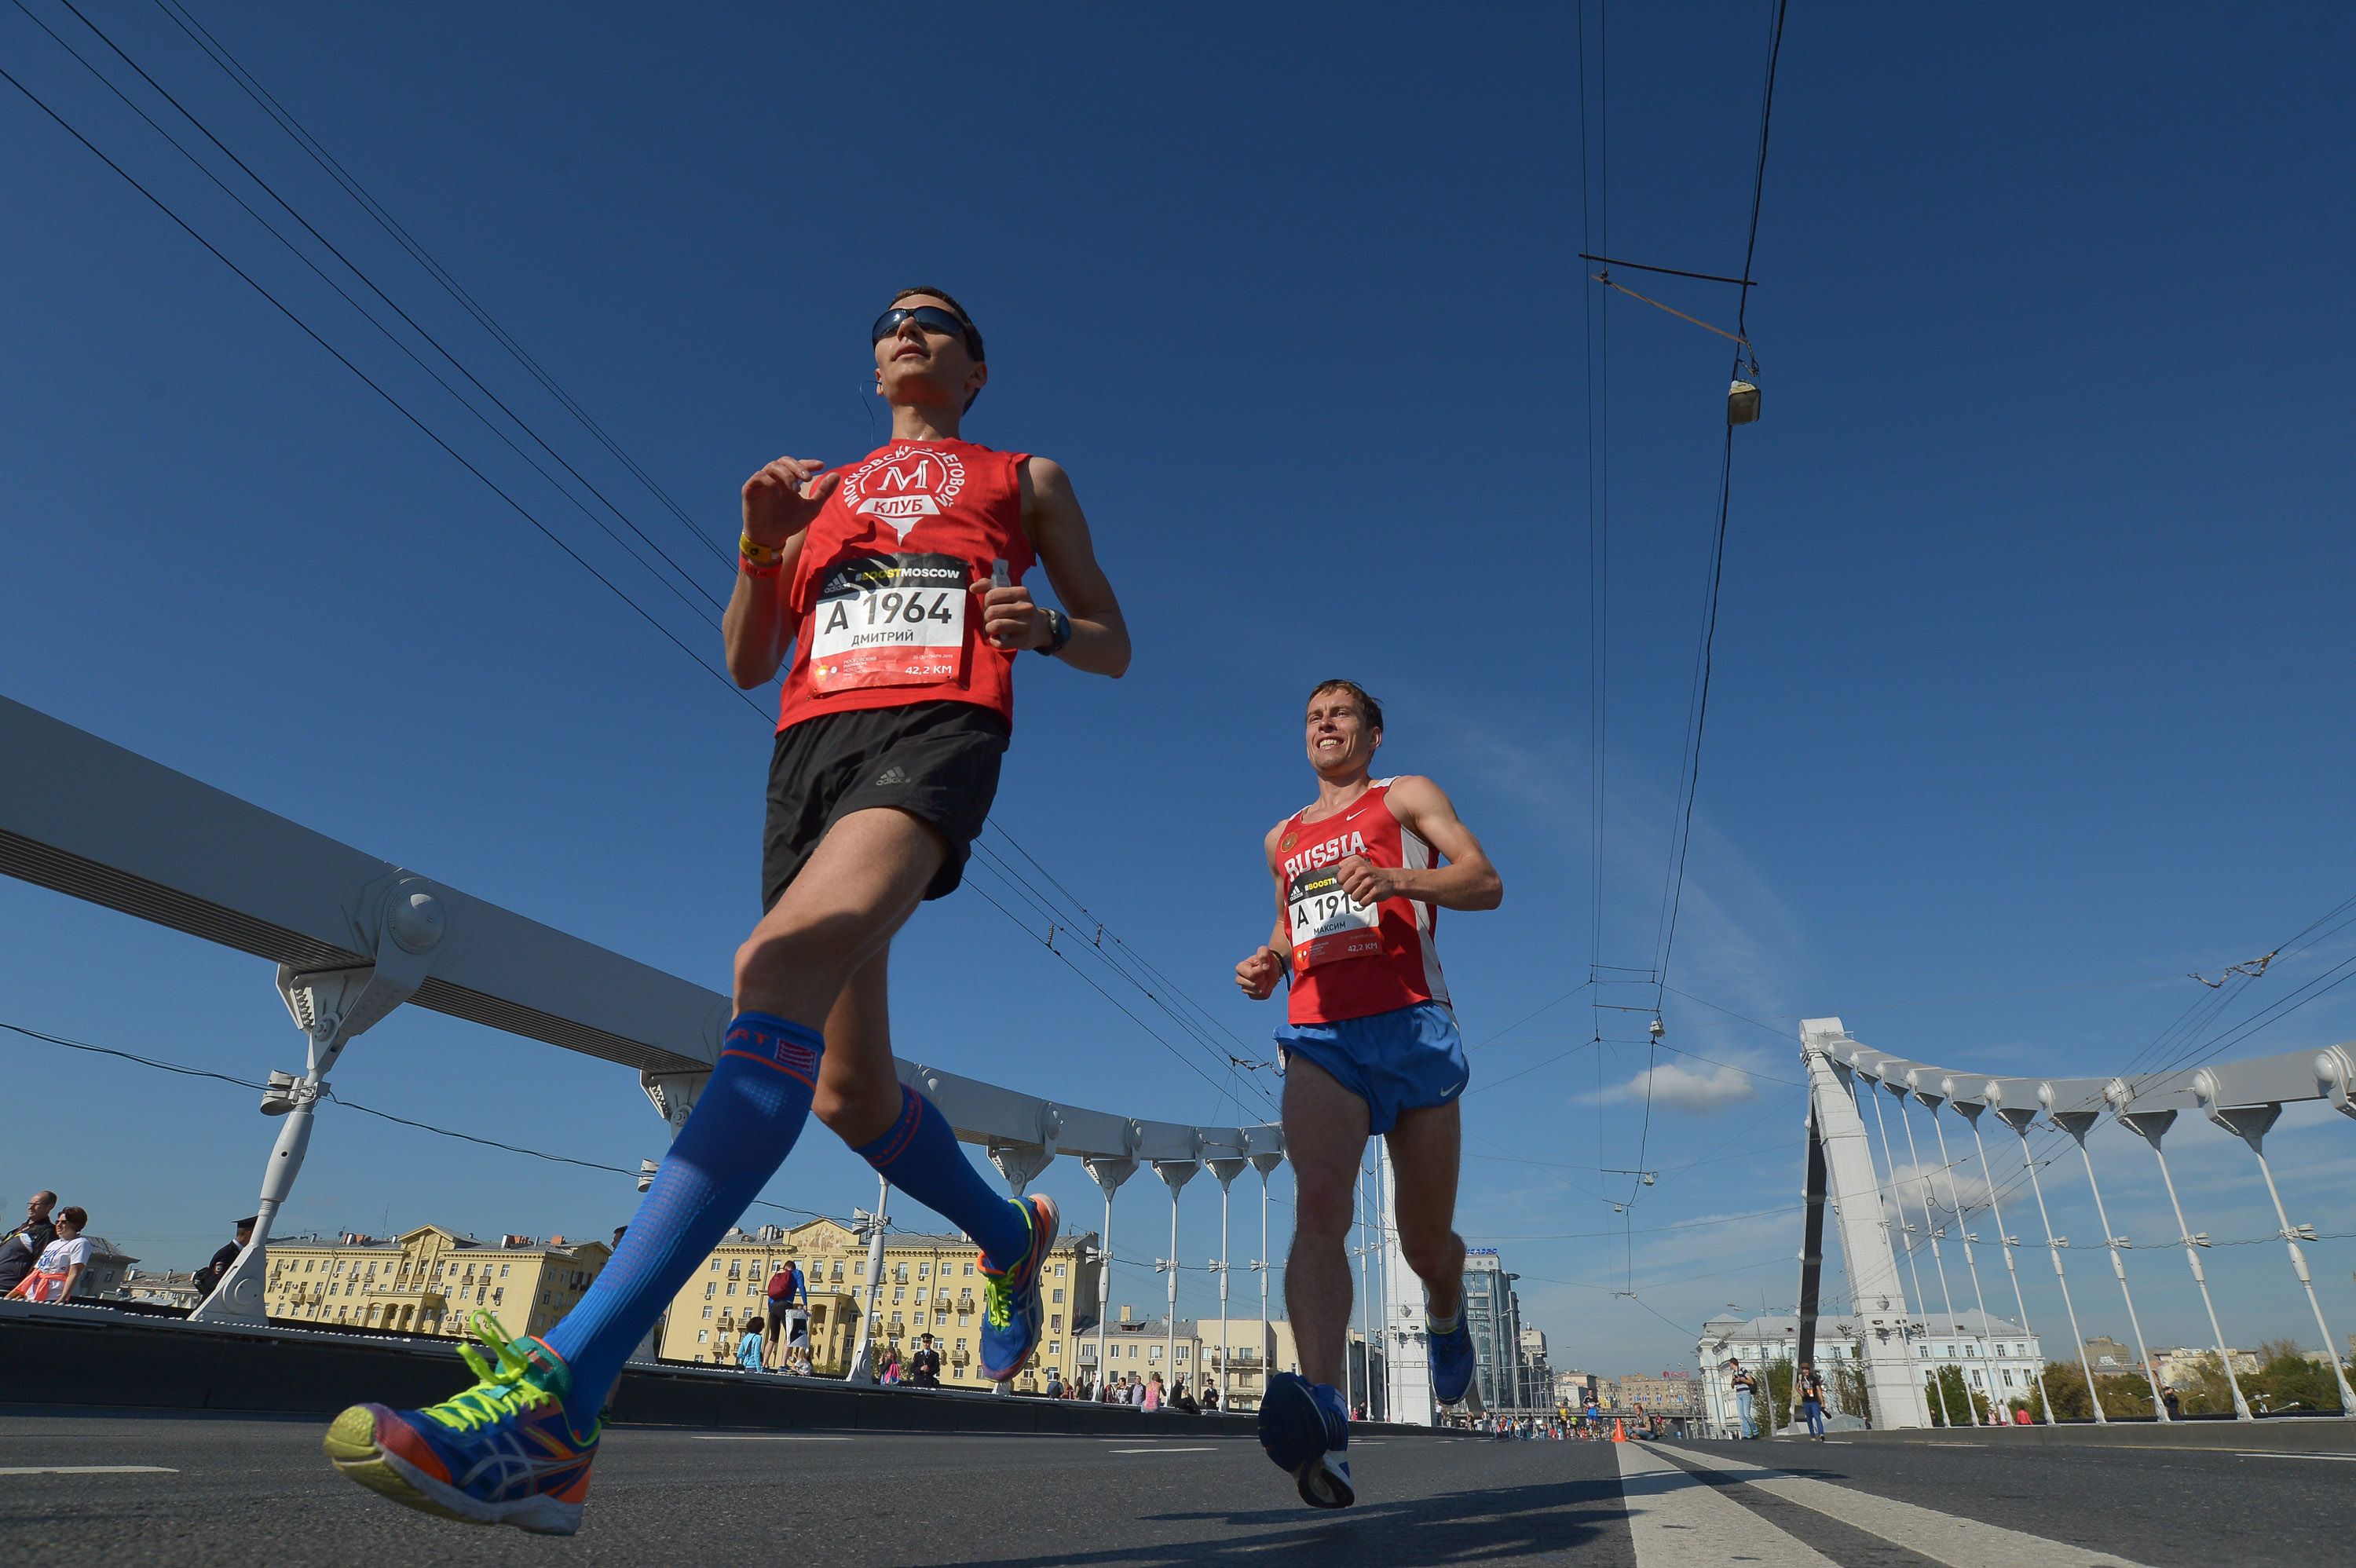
{"x": 94, "y": 1357}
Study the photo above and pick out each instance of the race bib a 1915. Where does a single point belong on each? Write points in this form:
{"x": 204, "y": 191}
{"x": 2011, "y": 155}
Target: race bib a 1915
{"x": 890, "y": 619}
{"x": 1326, "y": 923}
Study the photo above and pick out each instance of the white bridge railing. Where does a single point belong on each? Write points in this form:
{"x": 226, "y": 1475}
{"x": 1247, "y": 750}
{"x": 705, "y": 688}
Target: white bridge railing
{"x": 1881, "y": 1205}
{"x": 356, "y": 937}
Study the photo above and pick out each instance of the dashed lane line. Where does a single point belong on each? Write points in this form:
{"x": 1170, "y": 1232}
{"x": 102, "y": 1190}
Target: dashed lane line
{"x": 2337, "y": 1459}
{"x": 87, "y": 1470}
{"x": 1158, "y": 1448}
{"x": 1946, "y": 1538}
{"x": 1676, "y": 1521}
{"x": 767, "y": 1438}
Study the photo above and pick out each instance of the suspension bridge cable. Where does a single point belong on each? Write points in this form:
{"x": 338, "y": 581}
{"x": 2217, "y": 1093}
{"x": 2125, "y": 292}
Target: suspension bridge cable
{"x": 189, "y": 115}
{"x": 427, "y": 430}
{"x": 403, "y": 409}
{"x": 254, "y": 89}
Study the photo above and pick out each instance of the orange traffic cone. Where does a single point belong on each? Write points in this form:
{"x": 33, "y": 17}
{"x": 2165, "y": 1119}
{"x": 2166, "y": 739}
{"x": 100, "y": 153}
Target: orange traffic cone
{"x": 1618, "y": 1430}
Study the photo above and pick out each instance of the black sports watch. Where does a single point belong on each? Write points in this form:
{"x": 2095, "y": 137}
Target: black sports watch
{"x": 1059, "y": 632}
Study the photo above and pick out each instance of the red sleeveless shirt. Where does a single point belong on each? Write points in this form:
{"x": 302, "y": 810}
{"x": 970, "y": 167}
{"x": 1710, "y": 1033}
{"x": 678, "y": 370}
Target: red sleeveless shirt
{"x": 1350, "y": 960}
{"x": 882, "y": 598}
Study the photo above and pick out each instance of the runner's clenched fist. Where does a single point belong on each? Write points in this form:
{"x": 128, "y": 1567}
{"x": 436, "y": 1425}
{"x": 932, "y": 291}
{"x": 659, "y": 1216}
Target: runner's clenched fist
{"x": 1259, "y": 974}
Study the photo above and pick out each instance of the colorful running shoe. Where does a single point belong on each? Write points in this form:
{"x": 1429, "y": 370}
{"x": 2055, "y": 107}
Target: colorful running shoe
{"x": 1453, "y": 1363}
{"x": 1011, "y": 1314}
{"x": 1305, "y": 1428}
{"x": 501, "y": 1453}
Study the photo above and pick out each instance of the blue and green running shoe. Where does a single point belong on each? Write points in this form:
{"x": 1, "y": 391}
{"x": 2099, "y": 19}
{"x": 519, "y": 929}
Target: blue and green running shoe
{"x": 1011, "y": 1315}
{"x": 1453, "y": 1363}
{"x": 501, "y": 1453}
{"x": 1305, "y": 1428}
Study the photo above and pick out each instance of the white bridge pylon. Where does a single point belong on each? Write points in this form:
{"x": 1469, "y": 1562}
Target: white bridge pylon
{"x": 1841, "y": 1174}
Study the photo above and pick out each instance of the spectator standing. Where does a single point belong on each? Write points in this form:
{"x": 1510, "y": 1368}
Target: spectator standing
{"x": 20, "y": 1247}
{"x": 208, "y": 1277}
{"x": 1110, "y": 1392}
{"x": 785, "y": 1285}
{"x": 1152, "y": 1400}
{"x": 59, "y": 1267}
{"x": 2175, "y": 1403}
{"x": 1745, "y": 1387}
{"x": 1210, "y": 1401}
{"x": 925, "y": 1366}
{"x": 892, "y": 1370}
{"x": 1054, "y": 1383}
{"x": 748, "y": 1347}
{"x": 1811, "y": 1390}
{"x": 1136, "y": 1392}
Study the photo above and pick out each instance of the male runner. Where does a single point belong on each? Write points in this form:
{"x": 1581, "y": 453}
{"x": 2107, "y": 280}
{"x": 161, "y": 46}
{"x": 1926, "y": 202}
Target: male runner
{"x": 896, "y": 586}
{"x": 1369, "y": 1046}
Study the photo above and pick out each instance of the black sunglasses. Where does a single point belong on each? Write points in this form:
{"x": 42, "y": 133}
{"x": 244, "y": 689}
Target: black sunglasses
{"x": 932, "y": 318}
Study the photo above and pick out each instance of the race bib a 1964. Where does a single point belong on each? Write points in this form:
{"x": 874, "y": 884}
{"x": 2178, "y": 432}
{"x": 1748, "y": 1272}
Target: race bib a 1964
{"x": 890, "y": 619}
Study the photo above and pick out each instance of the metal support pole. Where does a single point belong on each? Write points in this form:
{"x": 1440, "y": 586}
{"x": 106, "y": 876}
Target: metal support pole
{"x": 1225, "y": 1168}
{"x": 2008, "y": 1241}
{"x": 1912, "y": 1268}
{"x": 2019, "y": 1122}
{"x": 2251, "y": 1123}
{"x": 862, "y": 1349}
{"x": 1175, "y": 1174}
{"x": 1109, "y": 1173}
{"x": 1971, "y": 1411}
{"x": 2153, "y": 1126}
{"x": 1955, "y": 1198}
{"x": 1365, "y": 1302}
{"x": 2078, "y": 1124}
{"x": 1264, "y": 1161}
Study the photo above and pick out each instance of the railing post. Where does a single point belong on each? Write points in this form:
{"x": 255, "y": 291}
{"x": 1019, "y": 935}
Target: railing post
{"x": 2018, "y": 1119}
{"x": 2153, "y": 1126}
{"x": 2078, "y": 1124}
{"x": 2251, "y": 1123}
{"x": 1913, "y": 1090}
{"x": 2006, "y": 1241}
{"x": 1366, "y": 1304}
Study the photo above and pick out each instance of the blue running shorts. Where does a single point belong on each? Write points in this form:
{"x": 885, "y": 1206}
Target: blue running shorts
{"x": 1404, "y": 1059}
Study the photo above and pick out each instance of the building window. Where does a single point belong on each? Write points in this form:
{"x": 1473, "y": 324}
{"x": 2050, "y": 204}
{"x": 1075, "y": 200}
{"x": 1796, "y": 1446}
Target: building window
{"x": 923, "y": 1271}
{"x": 1059, "y": 1298}
{"x": 504, "y": 1268}
{"x": 1054, "y": 1347}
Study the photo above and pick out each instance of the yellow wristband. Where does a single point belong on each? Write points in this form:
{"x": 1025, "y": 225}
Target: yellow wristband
{"x": 754, "y": 550}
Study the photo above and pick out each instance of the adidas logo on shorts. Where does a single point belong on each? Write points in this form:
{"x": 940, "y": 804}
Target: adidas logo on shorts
{"x": 894, "y": 774}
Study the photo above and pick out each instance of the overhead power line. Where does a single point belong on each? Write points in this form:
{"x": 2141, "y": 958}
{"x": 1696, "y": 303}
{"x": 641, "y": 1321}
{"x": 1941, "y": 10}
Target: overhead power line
{"x": 1124, "y": 962}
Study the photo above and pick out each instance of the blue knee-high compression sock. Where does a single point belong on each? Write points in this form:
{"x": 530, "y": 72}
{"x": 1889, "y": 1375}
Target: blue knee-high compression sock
{"x": 744, "y": 1125}
{"x": 919, "y": 1155}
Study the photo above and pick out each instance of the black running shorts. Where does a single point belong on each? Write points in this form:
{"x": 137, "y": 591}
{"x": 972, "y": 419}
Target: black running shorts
{"x": 936, "y": 761}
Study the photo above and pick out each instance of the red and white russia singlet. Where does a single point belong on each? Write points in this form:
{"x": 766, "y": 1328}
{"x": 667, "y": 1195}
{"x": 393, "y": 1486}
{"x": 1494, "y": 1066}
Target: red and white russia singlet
{"x": 882, "y": 598}
{"x": 1350, "y": 960}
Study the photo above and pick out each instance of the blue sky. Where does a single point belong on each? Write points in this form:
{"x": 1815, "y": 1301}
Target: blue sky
{"x": 2030, "y": 689}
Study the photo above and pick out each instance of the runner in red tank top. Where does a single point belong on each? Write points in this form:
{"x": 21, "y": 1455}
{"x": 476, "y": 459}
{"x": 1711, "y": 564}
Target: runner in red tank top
{"x": 897, "y": 586}
{"x": 1370, "y": 1047}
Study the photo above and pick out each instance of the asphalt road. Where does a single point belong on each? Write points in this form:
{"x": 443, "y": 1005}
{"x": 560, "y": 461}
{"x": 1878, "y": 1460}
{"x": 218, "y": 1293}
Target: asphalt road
{"x": 194, "y": 1490}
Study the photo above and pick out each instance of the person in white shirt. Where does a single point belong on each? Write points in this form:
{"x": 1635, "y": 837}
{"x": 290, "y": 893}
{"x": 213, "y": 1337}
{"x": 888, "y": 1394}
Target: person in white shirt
{"x": 59, "y": 1267}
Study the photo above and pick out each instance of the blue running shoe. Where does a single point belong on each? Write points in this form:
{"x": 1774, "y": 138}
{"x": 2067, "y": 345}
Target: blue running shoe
{"x": 1011, "y": 1315}
{"x": 1453, "y": 1363}
{"x": 1306, "y": 1430}
{"x": 501, "y": 1453}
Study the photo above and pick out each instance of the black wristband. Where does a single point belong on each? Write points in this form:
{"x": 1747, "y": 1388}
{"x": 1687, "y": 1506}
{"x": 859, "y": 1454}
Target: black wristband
{"x": 1059, "y": 633}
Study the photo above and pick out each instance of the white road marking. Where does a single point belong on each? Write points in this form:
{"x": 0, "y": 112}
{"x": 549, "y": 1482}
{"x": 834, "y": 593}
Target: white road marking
{"x": 2340, "y": 1458}
{"x": 1943, "y": 1537}
{"x": 1676, "y": 1521}
{"x": 87, "y": 1470}
{"x": 765, "y": 1437}
{"x": 1206, "y": 1448}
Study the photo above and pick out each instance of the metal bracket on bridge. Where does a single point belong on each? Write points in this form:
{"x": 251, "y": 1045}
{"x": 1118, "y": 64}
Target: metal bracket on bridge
{"x": 330, "y": 1006}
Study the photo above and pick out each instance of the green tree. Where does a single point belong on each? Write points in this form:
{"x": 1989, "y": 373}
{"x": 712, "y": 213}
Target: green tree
{"x": 1775, "y": 1408}
{"x": 2206, "y": 1389}
{"x": 2287, "y": 1379}
{"x": 1847, "y": 1384}
{"x": 2066, "y": 1382}
{"x": 1944, "y": 1390}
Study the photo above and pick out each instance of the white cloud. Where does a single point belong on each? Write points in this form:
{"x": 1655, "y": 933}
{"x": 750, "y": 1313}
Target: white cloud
{"x": 1684, "y": 1088}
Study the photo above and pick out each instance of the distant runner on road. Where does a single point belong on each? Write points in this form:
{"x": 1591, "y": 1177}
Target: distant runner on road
{"x": 896, "y": 586}
{"x": 1370, "y": 1048}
